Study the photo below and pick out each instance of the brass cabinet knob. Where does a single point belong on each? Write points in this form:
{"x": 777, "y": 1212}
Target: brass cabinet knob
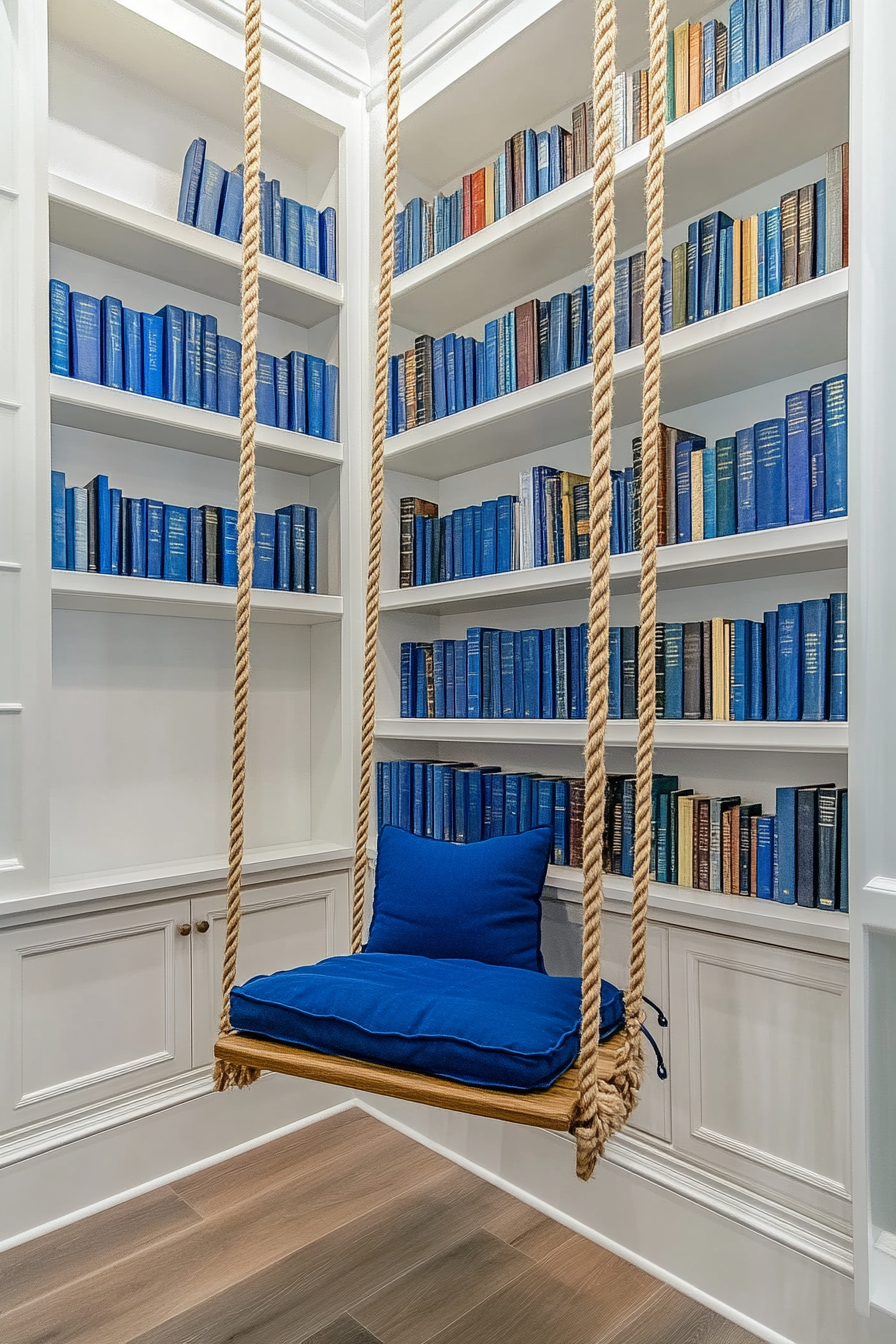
{"x": 184, "y": 930}
{"x": 201, "y": 926}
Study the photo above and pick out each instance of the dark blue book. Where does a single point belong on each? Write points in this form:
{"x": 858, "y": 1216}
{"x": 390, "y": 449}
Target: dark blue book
{"x": 276, "y": 221}
{"x": 331, "y": 402}
{"x": 404, "y": 795}
{"x": 693, "y": 273}
{"x": 209, "y": 363}
{"x": 115, "y": 531}
{"x": 578, "y": 326}
{"x": 112, "y": 348}
{"x": 449, "y": 679}
{"x": 153, "y": 331}
{"x": 708, "y": 464}
{"x": 764, "y": 37}
{"x": 457, "y": 544}
{"x": 842, "y": 851}
{"x": 673, "y": 705}
{"x": 777, "y": 9}
{"x": 708, "y": 58}
{"x": 814, "y": 671}
{"x": 310, "y": 239}
{"x": 765, "y": 854}
{"x": 99, "y": 526}
{"x": 190, "y": 181}
{"x": 548, "y": 703}
{"x": 283, "y": 550}
{"x": 292, "y": 232}
{"x": 461, "y": 659}
{"x": 796, "y": 25}
{"x": 746, "y": 480}
{"x": 439, "y": 387}
{"x": 400, "y": 243}
{"x": 760, "y": 251}
{"x": 193, "y": 359}
{"x": 227, "y": 557}
{"x": 555, "y": 158}
{"x": 211, "y": 189}
{"x": 622, "y": 314}
{"x": 265, "y": 390}
{"x": 311, "y": 548}
{"x": 135, "y": 537}
{"x": 756, "y": 705}
{"x": 726, "y": 487}
{"x": 503, "y": 703}
{"x": 230, "y": 354}
{"x": 281, "y": 391}
{"x": 798, "y": 472}
{"x": 771, "y": 474}
{"x": 196, "y": 537}
{"x": 59, "y": 328}
{"x": 476, "y": 388}
{"x": 559, "y": 331}
{"x": 789, "y": 662}
{"x": 155, "y": 538}
{"x": 299, "y": 542}
{"x": 57, "y": 505}
{"x": 683, "y": 451}
{"x": 438, "y": 677}
{"x": 326, "y": 261}
{"x": 574, "y": 646}
{"x": 773, "y": 250}
{"x": 472, "y": 384}
{"x": 770, "y": 640}
{"x": 837, "y": 712}
{"x": 741, "y": 668}
{"x": 265, "y": 545}
{"x": 175, "y": 544}
{"x": 561, "y": 822}
{"x": 530, "y": 166}
{"x": 418, "y": 797}
{"x": 505, "y": 533}
{"x": 298, "y": 403}
{"x": 710, "y": 236}
{"x": 84, "y": 338}
{"x": 614, "y": 702}
{"x": 821, "y": 192}
{"x": 816, "y": 452}
{"x": 489, "y": 537}
{"x": 451, "y": 404}
{"x": 839, "y": 14}
{"x": 834, "y": 446}
{"x": 266, "y": 221}
{"x": 315, "y": 384}
{"x": 737, "y": 44}
{"x": 230, "y": 218}
{"x": 424, "y": 547}
{"x": 785, "y": 829}
{"x": 469, "y": 542}
{"x": 172, "y": 352}
{"x": 751, "y": 36}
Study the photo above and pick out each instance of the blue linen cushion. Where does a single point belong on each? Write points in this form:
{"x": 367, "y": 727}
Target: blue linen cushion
{"x": 479, "y": 902}
{"x": 491, "y": 1026}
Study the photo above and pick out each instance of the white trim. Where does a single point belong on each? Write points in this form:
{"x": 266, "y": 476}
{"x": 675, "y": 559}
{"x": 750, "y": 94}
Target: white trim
{"x": 10, "y": 708}
{"x": 10, "y": 566}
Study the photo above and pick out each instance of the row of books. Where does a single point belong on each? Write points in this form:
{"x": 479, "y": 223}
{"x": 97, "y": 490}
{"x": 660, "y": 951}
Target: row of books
{"x": 727, "y": 262}
{"x": 211, "y": 198}
{"x": 530, "y": 165}
{"x": 789, "y": 666}
{"x": 796, "y": 855}
{"x": 177, "y": 355}
{"x": 98, "y": 530}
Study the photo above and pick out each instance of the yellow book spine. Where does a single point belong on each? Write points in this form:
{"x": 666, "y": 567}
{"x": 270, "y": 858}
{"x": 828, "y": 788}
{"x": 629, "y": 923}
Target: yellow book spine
{"x": 681, "y": 48}
{"x": 697, "y": 495}
{"x": 736, "y": 276}
{"x": 489, "y": 193}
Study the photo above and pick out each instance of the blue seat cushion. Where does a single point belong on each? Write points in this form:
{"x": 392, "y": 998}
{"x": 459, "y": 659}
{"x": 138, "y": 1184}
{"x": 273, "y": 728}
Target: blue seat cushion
{"x": 477, "y": 902}
{"x": 492, "y": 1026}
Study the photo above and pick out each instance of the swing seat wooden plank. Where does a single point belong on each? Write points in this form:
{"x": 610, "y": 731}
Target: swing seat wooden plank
{"x": 555, "y": 1108}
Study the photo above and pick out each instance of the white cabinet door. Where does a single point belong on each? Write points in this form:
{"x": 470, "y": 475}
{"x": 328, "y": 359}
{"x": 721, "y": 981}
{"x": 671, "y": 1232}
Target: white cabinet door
{"x": 284, "y": 924}
{"x": 96, "y": 1005}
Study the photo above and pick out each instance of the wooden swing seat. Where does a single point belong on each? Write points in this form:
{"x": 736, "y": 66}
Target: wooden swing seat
{"x": 555, "y": 1108}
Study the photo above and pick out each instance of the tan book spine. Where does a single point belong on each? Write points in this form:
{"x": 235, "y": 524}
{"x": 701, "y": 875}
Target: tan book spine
{"x": 681, "y": 49}
{"x": 695, "y": 66}
{"x": 685, "y": 840}
{"x": 844, "y": 192}
{"x": 489, "y": 194}
{"x": 697, "y": 495}
{"x": 643, "y": 106}
{"x": 736, "y": 274}
{"x": 719, "y": 665}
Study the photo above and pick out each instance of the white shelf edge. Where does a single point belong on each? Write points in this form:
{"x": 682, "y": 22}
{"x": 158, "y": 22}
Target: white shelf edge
{"x": 10, "y": 567}
{"x": 75, "y": 590}
{"x": 679, "y": 734}
{"x": 11, "y": 707}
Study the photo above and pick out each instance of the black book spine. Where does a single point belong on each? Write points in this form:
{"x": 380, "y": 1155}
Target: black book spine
{"x": 544, "y": 337}
{"x": 827, "y": 849}
{"x": 406, "y": 545}
{"x": 807, "y": 847}
{"x": 842, "y": 849}
{"x": 92, "y": 529}
{"x": 745, "y": 836}
{"x": 629, "y": 671}
{"x": 693, "y": 671}
{"x": 210, "y": 518}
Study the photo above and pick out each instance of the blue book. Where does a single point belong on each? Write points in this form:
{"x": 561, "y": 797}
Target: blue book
{"x": 281, "y": 391}
{"x": 469, "y": 542}
{"x": 298, "y": 403}
{"x": 756, "y": 707}
{"x": 816, "y": 452}
{"x": 135, "y": 536}
{"x": 276, "y": 221}
{"x": 461, "y": 658}
{"x": 709, "y": 460}
{"x": 693, "y": 273}
{"x": 840, "y": 14}
{"x": 503, "y": 704}
{"x": 315, "y": 380}
{"x": 530, "y": 166}
{"x": 785, "y": 826}
{"x": 326, "y": 261}
{"x": 265, "y": 390}
{"x": 505, "y": 533}
{"x": 665, "y": 307}
{"x": 400, "y": 242}
{"x": 457, "y": 545}
{"x": 172, "y": 352}
{"x": 814, "y": 669}
{"x": 770, "y": 640}
{"x": 710, "y": 29}
{"x": 154, "y": 514}
{"x": 765, "y": 852}
{"x": 76, "y": 528}
{"x": 229, "y": 361}
{"x": 331, "y": 402}
{"x": 112, "y": 349}
{"x": 614, "y": 703}
{"x": 621, "y": 308}
{"x": 561, "y": 822}
{"x": 790, "y": 641}
{"x": 837, "y": 709}
{"x": 230, "y": 218}
{"x": 746, "y": 480}
{"x": 59, "y": 328}
{"x": 673, "y": 707}
{"x": 543, "y": 803}
{"x": 265, "y": 546}
{"x": 266, "y": 222}
{"x": 190, "y": 181}
{"x": 449, "y": 679}
{"x": 298, "y": 544}
{"x": 489, "y": 537}
{"x": 796, "y": 408}
{"x": 771, "y": 474}
{"x": 578, "y": 324}
{"x": 559, "y": 329}
{"x": 175, "y": 544}
{"x": 414, "y": 227}
{"x": 196, "y": 538}
{"x": 57, "y": 505}
{"x": 555, "y": 159}
{"x": 439, "y": 387}
{"x": 475, "y": 378}
{"x": 543, "y": 154}
{"x": 438, "y": 676}
{"x": 531, "y": 674}
{"x": 726, "y": 488}
{"x": 683, "y": 452}
{"x": 737, "y": 44}
{"x": 283, "y": 550}
{"x": 821, "y": 210}
{"x": 451, "y": 403}
{"x": 209, "y": 363}
{"x": 761, "y": 242}
{"x": 751, "y": 36}
{"x": 211, "y": 189}
{"x": 776, "y": 9}
{"x": 764, "y": 36}
{"x": 835, "y": 412}
{"x": 311, "y": 548}
{"x": 796, "y": 25}
{"x": 115, "y": 556}
{"x": 548, "y": 705}
{"x": 403, "y": 793}
{"x": 491, "y": 360}
{"x": 227, "y": 557}
{"x": 310, "y": 239}
{"x": 99, "y": 526}
{"x": 710, "y": 234}
{"x": 773, "y": 250}
{"x": 741, "y": 668}
{"x": 84, "y": 337}
{"x": 292, "y": 231}
{"x": 193, "y": 359}
{"x": 153, "y": 340}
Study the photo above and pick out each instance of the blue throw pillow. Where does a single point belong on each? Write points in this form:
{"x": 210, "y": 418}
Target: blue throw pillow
{"x": 480, "y": 901}
{"x": 492, "y": 1026}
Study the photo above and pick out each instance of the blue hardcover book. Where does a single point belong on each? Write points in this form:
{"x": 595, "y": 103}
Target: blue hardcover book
{"x": 491, "y": 360}
{"x": 175, "y": 547}
{"x": 59, "y": 328}
{"x": 311, "y": 548}
{"x": 834, "y": 446}
{"x": 559, "y": 329}
{"x": 457, "y": 544}
{"x": 196, "y": 537}
{"x": 84, "y": 337}
{"x": 665, "y": 307}
{"x": 683, "y": 452}
{"x": 281, "y": 391}
{"x": 773, "y": 250}
{"x": 276, "y": 221}
{"x": 765, "y": 853}
{"x": 315, "y": 379}
{"x": 266, "y": 222}
{"x": 614, "y": 703}
{"x": 57, "y": 505}
{"x": 509, "y": 352}
{"x": 543, "y": 803}
{"x": 746, "y": 480}
{"x": 709, "y": 459}
{"x": 418, "y": 797}
{"x": 756, "y": 708}
{"x": 776, "y": 25}
{"x": 172, "y": 352}
{"x": 400, "y": 243}
{"x": 503, "y": 705}
{"x": 449, "y": 679}
{"x": 561, "y": 822}
{"x": 265, "y": 545}
{"x": 771, "y": 474}
{"x": 227, "y": 557}
{"x": 726, "y": 488}
{"x": 283, "y": 550}
{"x": 113, "y": 351}
{"x": 461, "y": 694}
{"x": 439, "y": 386}
{"x": 796, "y": 408}
{"x": 136, "y": 537}
{"x": 76, "y": 528}
{"x": 790, "y": 643}
{"x": 298, "y": 405}
{"x": 331, "y": 402}
{"x": 741, "y": 667}
{"x": 423, "y": 550}
{"x": 821, "y": 210}
{"x": 761, "y": 241}
{"x": 621, "y": 308}
{"x": 530, "y": 166}
{"x": 230, "y": 218}
{"x": 211, "y": 189}
{"x": 711, "y": 227}
{"x": 814, "y": 669}
{"x": 505, "y": 533}
{"x": 403, "y": 794}
{"x": 473, "y": 384}
{"x": 530, "y": 641}
{"x": 190, "y": 181}
{"x": 477, "y": 541}
{"x": 299, "y": 535}
{"x": 193, "y": 359}
{"x": 544, "y": 162}
{"x": 265, "y": 390}
{"x": 578, "y": 322}
{"x": 673, "y": 705}
{"x": 837, "y": 709}
{"x": 209, "y": 363}
{"x": 737, "y": 44}
{"x": 414, "y": 228}
{"x": 292, "y": 231}
{"x": 710, "y": 29}
{"x": 153, "y": 333}
{"x": 548, "y": 704}
{"x": 115, "y": 531}
{"x": 489, "y": 536}
{"x": 154, "y": 514}
{"x": 785, "y": 826}
{"x": 310, "y": 239}
{"x": 451, "y": 403}
{"x": 693, "y": 273}
{"x": 796, "y": 26}
{"x": 473, "y": 673}
{"x": 99, "y": 526}
{"x": 770, "y": 640}
{"x": 230, "y": 353}
{"x": 469, "y": 542}
{"x": 326, "y": 261}
{"x": 839, "y": 14}
{"x": 764, "y": 36}
{"x": 751, "y": 36}
{"x": 438, "y": 677}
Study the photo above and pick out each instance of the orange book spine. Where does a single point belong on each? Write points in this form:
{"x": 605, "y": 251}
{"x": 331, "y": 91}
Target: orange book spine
{"x": 477, "y": 209}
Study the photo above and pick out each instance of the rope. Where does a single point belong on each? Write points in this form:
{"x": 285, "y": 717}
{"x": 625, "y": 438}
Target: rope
{"x": 239, "y": 1075}
{"x": 605, "y": 1106}
{"x": 377, "y": 445}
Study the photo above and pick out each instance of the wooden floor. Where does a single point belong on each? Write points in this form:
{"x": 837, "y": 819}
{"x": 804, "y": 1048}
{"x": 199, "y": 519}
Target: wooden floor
{"x": 343, "y": 1233}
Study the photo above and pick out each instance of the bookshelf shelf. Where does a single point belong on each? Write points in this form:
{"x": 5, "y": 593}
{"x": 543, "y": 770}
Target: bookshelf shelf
{"x": 753, "y": 555}
{"x": 155, "y": 597}
{"x": 116, "y": 231}
{"x": 125, "y": 415}
{"x": 690, "y": 735}
{"x": 800, "y": 328}
{"x": 797, "y": 109}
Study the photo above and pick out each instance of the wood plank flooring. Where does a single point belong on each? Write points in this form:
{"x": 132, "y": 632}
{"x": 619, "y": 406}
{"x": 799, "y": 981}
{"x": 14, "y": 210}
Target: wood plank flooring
{"x": 343, "y": 1233}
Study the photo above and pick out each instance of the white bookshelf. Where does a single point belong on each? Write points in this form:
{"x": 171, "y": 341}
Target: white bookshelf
{"x": 156, "y": 597}
{"x": 683, "y": 735}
